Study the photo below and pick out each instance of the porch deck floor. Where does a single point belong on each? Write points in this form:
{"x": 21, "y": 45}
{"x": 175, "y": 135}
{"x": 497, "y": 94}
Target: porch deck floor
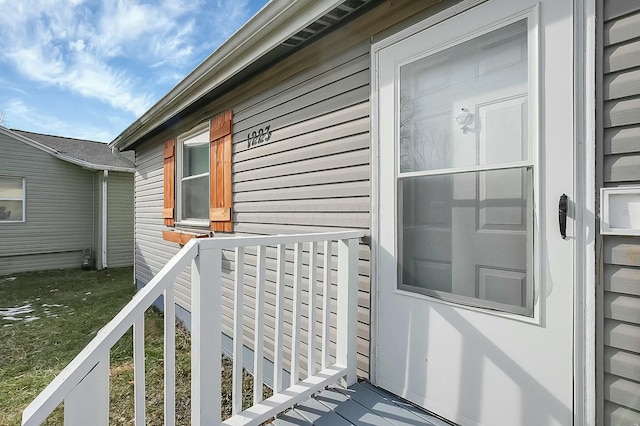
{"x": 360, "y": 404}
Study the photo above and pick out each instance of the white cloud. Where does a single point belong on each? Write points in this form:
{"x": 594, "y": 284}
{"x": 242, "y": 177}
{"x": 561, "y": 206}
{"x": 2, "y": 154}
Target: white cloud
{"x": 124, "y": 53}
{"x": 77, "y": 47}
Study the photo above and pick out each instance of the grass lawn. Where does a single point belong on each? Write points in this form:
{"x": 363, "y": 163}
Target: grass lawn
{"x": 46, "y": 318}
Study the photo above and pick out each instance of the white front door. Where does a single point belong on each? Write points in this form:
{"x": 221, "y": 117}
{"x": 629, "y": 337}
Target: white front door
{"x": 475, "y": 143}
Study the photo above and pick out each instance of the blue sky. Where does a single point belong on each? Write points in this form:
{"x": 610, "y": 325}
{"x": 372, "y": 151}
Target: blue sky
{"x": 88, "y": 68}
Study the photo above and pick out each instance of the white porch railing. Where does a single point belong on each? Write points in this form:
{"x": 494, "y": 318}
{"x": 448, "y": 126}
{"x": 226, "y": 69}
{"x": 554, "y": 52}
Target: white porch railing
{"x": 84, "y": 384}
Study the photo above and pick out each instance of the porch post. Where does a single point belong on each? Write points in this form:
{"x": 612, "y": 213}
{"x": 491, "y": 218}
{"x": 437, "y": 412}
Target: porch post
{"x": 347, "y": 308}
{"x": 205, "y": 337}
{"x": 88, "y": 402}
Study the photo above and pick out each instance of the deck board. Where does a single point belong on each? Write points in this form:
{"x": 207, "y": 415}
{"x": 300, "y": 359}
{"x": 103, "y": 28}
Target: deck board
{"x": 291, "y": 418}
{"x": 349, "y": 409}
{"x": 360, "y": 404}
{"x": 382, "y": 406}
{"x": 319, "y": 414}
{"x": 426, "y": 417}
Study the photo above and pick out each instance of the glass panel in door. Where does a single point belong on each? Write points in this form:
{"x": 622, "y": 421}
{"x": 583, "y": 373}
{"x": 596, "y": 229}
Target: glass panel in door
{"x": 465, "y": 181}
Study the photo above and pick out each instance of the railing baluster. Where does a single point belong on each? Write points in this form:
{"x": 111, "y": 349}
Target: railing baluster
{"x": 278, "y": 365}
{"x": 326, "y": 303}
{"x": 295, "y": 332}
{"x": 258, "y": 358}
{"x": 236, "y": 394}
{"x": 311, "y": 356}
{"x": 88, "y": 402}
{"x": 138, "y": 371}
{"x": 84, "y": 384}
{"x": 206, "y": 273}
{"x": 347, "y": 308}
{"x": 170, "y": 356}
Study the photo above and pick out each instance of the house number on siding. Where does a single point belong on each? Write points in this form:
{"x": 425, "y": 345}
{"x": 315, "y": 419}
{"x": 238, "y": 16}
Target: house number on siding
{"x": 261, "y": 136}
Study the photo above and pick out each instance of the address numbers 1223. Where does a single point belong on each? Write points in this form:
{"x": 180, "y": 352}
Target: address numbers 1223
{"x": 261, "y": 136}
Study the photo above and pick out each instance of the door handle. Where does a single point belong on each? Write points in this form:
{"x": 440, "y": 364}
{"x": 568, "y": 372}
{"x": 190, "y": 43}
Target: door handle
{"x": 562, "y": 216}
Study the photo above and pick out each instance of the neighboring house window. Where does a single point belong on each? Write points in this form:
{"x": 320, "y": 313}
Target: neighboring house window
{"x": 197, "y": 176}
{"x": 12, "y": 199}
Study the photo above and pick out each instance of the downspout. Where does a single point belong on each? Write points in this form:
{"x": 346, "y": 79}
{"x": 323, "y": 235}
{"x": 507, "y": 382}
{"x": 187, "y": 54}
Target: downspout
{"x": 93, "y": 221}
{"x": 104, "y": 217}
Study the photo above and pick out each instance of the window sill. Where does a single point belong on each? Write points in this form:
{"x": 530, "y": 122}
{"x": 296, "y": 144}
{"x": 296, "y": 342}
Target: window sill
{"x": 182, "y": 237}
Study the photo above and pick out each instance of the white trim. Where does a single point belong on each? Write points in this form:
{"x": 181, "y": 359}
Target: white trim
{"x": 202, "y": 128}
{"x": 584, "y": 40}
{"x": 105, "y": 188}
{"x": 605, "y": 210}
{"x": 375, "y": 163}
{"x": 63, "y": 157}
{"x": 534, "y": 251}
{"x": 23, "y": 199}
{"x": 469, "y": 169}
{"x": 423, "y": 25}
{"x": 273, "y": 24}
{"x": 375, "y": 219}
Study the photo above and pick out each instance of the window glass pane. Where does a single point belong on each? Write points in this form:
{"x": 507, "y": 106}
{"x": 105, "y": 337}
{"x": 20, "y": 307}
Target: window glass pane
{"x": 196, "y": 159}
{"x": 195, "y": 198}
{"x": 11, "y": 188}
{"x": 467, "y": 237}
{"x": 466, "y": 105}
{"x": 11, "y": 210}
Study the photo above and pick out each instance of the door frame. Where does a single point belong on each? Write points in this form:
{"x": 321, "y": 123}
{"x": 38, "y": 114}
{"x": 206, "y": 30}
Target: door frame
{"x": 582, "y": 209}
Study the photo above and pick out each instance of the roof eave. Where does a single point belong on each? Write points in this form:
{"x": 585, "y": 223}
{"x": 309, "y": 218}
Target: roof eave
{"x": 272, "y": 25}
{"x": 63, "y": 157}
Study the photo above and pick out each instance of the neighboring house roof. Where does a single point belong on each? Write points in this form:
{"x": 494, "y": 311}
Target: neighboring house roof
{"x": 89, "y": 154}
{"x": 277, "y": 30}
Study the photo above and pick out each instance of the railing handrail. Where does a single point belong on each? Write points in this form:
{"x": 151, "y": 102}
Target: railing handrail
{"x": 55, "y": 392}
{"x": 83, "y": 364}
{"x": 267, "y": 240}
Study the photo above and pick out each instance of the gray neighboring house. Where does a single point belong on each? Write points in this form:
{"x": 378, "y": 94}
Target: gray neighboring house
{"x": 61, "y": 200}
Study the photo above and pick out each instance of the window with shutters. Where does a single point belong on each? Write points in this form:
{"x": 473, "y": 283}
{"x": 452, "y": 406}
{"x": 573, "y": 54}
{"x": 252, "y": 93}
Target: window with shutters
{"x": 197, "y": 176}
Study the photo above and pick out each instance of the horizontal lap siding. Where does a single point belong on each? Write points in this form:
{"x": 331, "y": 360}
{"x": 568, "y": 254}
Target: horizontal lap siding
{"x": 620, "y": 299}
{"x": 120, "y": 205}
{"x": 319, "y": 124}
{"x": 313, "y": 175}
{"x": 151, "y": 251}
{"x": 59, "y": 211}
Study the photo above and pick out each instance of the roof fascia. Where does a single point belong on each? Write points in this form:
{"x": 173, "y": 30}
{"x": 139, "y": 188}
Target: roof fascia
{"x": 63, "y": 157}
{"x": 273, "y": 24}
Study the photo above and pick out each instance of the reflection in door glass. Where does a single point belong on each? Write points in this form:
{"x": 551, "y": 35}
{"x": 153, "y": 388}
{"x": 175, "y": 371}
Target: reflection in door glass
{"x": 465, "y": 237}
{"x": 466, "y": 105}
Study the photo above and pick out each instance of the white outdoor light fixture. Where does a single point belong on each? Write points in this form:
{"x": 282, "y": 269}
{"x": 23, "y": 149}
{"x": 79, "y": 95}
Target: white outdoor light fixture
{"x": 620, "y": 211}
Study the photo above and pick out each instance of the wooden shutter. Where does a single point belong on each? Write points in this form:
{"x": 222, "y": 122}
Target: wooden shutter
{"x": 220, "y": 199}
{"x": 168, "y": 212}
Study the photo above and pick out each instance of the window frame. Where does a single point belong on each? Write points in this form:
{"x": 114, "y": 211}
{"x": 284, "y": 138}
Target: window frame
{"x": 203, "y": 128}
{"x": 23, "y": 199}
